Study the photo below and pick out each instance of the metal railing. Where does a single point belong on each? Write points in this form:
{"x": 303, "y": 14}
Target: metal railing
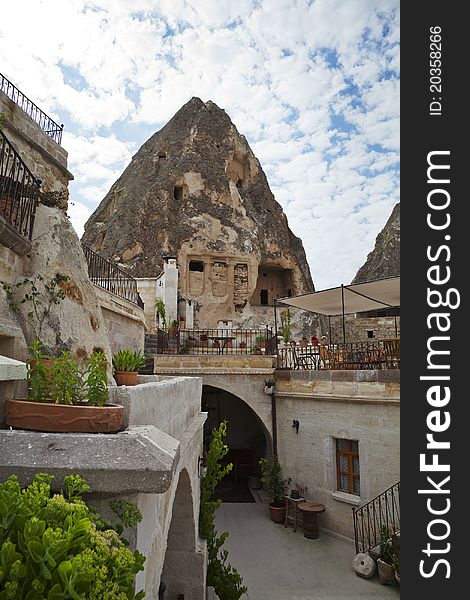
{"x": 349, "y": 356}
{"x": 381, "y": 511}
{"x": 214, "y": 341}
{"x": 19, "y": 190}
{"x": 110, "y": 277}
{"x": 48, "y": 125}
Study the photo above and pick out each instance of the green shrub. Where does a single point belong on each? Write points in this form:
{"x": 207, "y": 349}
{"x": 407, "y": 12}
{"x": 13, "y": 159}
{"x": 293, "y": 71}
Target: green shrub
{"x": 127, "y": 360}
{"x": 386, "y": 548}
{"x": 53, "y": 548}
{"x": 224, "y": 578}
{"x": 273, "y": 482}
{"x": 64, "y": 381}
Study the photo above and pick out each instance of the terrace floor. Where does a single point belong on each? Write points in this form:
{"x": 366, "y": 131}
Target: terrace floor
{"x": 278, "y": 564}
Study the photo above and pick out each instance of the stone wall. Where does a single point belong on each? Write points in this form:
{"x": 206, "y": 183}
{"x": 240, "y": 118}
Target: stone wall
{"x": 330, "y": 405}
{"x": 358, "y": 328}
{"x": 125, "y": 321}
{"x": 46, "y": 159}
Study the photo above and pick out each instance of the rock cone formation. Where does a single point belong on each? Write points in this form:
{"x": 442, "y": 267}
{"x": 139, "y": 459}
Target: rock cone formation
{"x": 195, "y": 191}
{"x": 384, "y": 260}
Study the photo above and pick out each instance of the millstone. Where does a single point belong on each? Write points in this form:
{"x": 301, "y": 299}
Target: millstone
{"x": 364, "y": 565}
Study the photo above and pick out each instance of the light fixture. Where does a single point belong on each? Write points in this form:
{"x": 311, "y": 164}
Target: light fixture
{"x": 295, "y": 425}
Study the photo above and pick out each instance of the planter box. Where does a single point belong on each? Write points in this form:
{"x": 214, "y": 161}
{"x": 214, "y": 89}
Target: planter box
{"x": 63, "y": 418}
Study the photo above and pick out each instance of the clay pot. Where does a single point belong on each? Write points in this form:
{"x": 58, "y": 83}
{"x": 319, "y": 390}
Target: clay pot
{"x": 126, "y": 377}
{"x": 63, "y": 418}
{"x": 277, "y": 513}
{"x": 386, "y": 572}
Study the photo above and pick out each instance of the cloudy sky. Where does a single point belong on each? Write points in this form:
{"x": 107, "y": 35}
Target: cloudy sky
{"x": 313, "y": 85}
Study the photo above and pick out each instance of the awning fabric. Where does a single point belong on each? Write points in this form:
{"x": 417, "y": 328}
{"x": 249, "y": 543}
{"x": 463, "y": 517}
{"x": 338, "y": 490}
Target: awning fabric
{"x": 358, "y": 297}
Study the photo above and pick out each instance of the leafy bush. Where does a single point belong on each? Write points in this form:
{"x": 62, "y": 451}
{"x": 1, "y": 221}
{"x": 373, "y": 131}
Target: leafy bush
{"x": 127, "y": 360}
{"x": 224, "y": 578}
{"x": 273, "y": 483}
{"x": 64, "y": 381}
{"x": 53, "y": 548}
{"x": 386, "y": 547}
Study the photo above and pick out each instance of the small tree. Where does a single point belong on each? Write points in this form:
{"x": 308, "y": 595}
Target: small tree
{"x": 224, "y": 578}
{"x": 161, "y": 314}
{"x": 273, "y": 482}
{"x": 285, "y": 325}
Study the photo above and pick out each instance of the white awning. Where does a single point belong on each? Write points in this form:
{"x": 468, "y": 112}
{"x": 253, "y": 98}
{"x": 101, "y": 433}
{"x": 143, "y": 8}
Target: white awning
{"x": 358, "y": 297}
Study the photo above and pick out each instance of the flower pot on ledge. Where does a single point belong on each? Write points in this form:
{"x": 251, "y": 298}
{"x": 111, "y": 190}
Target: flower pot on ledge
{"x": 126, "y": 377}
{"x": 63, "y": 418}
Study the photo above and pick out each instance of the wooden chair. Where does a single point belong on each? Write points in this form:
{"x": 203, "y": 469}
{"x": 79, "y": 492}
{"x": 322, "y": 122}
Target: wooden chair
{"x": 391, "y": 353}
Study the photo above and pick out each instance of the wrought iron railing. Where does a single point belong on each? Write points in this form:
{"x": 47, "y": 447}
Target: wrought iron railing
{"x": 350, "y": 356}
{"x": 382, "y": 511}
{"x": 19, "y": 190}
{"x": 110, "y": 277}
{"x": 215, "y": 341}
{"x": 48, "y": 125}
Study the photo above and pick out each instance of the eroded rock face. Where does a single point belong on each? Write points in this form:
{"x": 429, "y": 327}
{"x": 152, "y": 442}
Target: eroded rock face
{"x": 384, "y": 260}
{"x": 196, "y": 191}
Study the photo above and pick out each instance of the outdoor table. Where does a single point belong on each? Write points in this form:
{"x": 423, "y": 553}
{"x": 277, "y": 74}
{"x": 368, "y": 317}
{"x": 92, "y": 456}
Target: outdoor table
{"x": 222, "y": 339}
{"x": 310, "y": 513}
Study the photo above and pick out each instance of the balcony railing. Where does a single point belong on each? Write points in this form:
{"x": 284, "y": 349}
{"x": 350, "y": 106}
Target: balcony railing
{"x": 110, "y": 277}
{"x": 50, "y": 127}
{"x": 383, "y": 354}
{"x": 212, "y": 341}
{"x": 382, "y": 511}
{"x": 19, "y": 190}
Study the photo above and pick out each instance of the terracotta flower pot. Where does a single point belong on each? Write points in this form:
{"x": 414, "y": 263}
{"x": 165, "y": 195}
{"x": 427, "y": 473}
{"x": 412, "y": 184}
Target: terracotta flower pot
{"x": 126, "y": 377}
{"x": 277, "y": 513}
{"x": 63, "y": 418}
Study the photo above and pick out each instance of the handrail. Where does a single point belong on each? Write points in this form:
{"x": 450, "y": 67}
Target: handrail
{"x": 19, "y": 190}
{"x": 48, "y": 125}
{"x": 381, "y": 511}
{"x": 110, "y": 277}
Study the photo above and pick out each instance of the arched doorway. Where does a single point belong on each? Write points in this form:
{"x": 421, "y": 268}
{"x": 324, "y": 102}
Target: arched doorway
{"x": 247, "y": 438}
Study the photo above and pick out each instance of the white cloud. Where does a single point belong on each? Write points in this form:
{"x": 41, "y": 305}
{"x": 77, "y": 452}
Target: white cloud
{"x": 312, "y": 85}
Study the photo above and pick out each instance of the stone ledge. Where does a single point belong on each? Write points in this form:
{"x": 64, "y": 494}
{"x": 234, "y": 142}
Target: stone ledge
{"x": 214, "y": 371}
{"x": 12, "y": 370}
{"x": 138, "y": 460}
{"x": 325, "y": 397}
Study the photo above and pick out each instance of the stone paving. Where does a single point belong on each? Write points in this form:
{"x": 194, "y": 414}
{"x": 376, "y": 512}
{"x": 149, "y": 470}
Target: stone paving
{"x": 278, "y": 564}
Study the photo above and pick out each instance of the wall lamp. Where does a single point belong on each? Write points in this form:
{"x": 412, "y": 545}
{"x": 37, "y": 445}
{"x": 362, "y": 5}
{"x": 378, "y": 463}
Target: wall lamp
{"x": 295, "y": 425}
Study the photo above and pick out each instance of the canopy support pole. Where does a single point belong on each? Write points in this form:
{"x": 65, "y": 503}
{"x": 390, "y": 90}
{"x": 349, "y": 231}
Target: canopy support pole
{"x": 330, "y": 341}
{"x": 342, "y": 306}
{"x": 396, "y": 329}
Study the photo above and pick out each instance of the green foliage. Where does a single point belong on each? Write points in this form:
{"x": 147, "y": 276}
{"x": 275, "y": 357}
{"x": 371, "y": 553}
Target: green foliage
{"x": 50, "y": 547}
{"x": 273, "y": 482}
{"x": 285, "y": 325}
{"x": 96, "y": 379}
{"x": 64, "y": 381}
{"x": 127, "y": 360}
{"x": 32, "y": 300}
{"x": 386, "y": 549}
{"x": 225, "y": 579}
{"x": 127, "y": 513}
{"x": 161, "y": 313}
{"x": 269, "y": 382}
{"x": 396, "y": 562}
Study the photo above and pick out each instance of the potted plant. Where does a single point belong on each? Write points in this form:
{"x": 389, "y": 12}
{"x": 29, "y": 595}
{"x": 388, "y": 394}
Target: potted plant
{"x": 174, "y": 328}
{"x": 385, "y": 561}
{"x": 66, "y": 398}
{"x": 242, "y": 345}
{"x": 161, "y": 315}
{"x": 261, "y": 341}
{"x": 303, "y": 343}
{"x": 126, "y": 365}
{"x": 256, "y": 350}
{"x": 275, "y": 486}
{"x": 269, "y": 386}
